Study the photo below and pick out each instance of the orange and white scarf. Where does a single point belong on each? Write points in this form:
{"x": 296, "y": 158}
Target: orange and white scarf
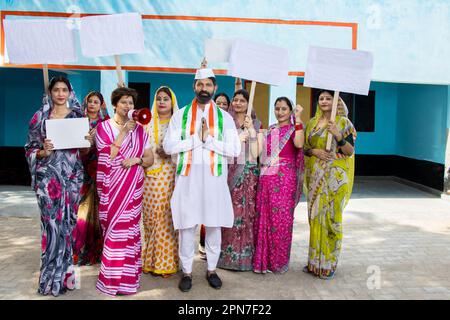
{"x": 215, "y": 123}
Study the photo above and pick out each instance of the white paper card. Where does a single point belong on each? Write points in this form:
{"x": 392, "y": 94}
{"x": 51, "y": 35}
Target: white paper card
{"x": 218, "y": 50}
{"x": 68, "y": 133}
{"x": 259, "y": 62}
{"x": 110, "y": 35}
{"x": 339, "y": 70}
{"x": 36, "y": 41}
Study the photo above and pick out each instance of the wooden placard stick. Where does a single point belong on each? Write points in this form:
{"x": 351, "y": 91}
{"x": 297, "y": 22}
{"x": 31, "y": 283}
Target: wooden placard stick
{"x": 204, "y": 63}
{"x": 333, "y": 118}
{"x": 250, "y": 102}
{"x": 119, "y": 70}
{"x": 45, "y": 72}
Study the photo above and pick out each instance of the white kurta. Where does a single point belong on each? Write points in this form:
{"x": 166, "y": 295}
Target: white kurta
{"x": 201, "y": 197}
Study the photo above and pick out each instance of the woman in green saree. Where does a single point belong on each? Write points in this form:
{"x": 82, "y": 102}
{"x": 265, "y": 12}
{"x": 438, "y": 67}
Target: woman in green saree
{"x": 328, "y": 182}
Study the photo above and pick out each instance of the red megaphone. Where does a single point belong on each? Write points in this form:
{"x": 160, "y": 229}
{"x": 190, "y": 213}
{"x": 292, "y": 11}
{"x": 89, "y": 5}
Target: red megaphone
{"x": 143, "y": 116}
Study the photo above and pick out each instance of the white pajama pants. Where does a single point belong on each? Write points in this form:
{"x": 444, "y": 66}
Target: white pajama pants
{"x": 187, "y": 239}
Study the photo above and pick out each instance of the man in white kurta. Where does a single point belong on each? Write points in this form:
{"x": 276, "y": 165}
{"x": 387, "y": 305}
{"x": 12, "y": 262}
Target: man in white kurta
{"x": 201, "y": 194}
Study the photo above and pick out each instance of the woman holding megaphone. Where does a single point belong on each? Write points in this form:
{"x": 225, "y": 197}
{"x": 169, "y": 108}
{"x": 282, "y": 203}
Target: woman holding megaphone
{"x": 124, "y": 151}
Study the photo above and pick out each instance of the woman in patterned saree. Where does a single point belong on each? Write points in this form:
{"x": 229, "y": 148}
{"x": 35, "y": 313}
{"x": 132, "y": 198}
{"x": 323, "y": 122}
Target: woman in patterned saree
{"x": 237, "y": 242}
{"x": 328, "y": 180}
{"x": 124, "y": 152}
{"x": 160, "y": 247}
{"x": 88, "y": 241}
{"x": 279, "y": 190}
{"x": 56, "y": 176}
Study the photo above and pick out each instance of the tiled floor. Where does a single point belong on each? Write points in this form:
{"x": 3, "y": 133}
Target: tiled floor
{"x": 396, "y": 246}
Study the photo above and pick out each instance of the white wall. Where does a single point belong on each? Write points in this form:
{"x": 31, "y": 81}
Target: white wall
{"x": 409, "y": 38}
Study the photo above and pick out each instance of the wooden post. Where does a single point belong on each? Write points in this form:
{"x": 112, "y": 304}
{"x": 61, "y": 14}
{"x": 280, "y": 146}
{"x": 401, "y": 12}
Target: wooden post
{"x": 252, "y": 95}
{"x": 333, "y": 118}
{"x": 119, "y": 71}
{"x": 204, "y": 63}
{"x": 45, "y": 72}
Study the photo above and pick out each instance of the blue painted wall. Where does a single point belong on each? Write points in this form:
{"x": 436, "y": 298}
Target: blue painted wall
{"x": 181, "y": 84}
{"x": 383, "y": 139}
{"x": 448, "y": 107}
{"x": 421, "y": 122}
{"x": 21, "y": 95}
{"x": 84, "y": 82}
{"x": 410, "y": 120}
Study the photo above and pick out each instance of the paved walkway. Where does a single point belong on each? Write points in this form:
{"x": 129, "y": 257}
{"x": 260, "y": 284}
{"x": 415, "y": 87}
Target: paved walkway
{"x": 396, "y": 246}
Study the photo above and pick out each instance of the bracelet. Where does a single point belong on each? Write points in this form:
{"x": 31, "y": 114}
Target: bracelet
{"x": 298, "y": 126}
{"x": 341, "y": 142}
{"x": 115, "y": 145}
{"x": 141, "y": 161}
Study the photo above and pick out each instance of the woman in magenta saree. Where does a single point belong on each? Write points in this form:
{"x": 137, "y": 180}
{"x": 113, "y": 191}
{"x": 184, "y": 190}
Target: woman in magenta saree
{"x": 279, "y": 190}
{"x": 124, "y": 150}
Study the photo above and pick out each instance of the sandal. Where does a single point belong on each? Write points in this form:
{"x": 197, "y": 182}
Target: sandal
{"x": 329, "y": 277}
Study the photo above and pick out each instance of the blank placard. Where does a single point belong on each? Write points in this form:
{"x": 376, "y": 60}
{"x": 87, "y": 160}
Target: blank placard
{"x": 259, "y": 62}
{"x": 68, "y": 133}
{"x": 339, "y": 70}
{"x": 110, "y": 35}
{"x": 36, "y": 41}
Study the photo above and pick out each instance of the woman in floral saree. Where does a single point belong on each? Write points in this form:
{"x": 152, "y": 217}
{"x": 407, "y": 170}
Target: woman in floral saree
{"x": 56, "y": 176}
{"x": 238, "y": 243}
{"x": 88, "y": 235}
{"x": 328, "y": 181}
{"x": 279, "y": 190}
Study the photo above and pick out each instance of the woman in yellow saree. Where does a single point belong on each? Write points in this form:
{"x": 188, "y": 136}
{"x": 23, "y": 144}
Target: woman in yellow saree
{"x": 328, "y": 182}
{"x": 160, "y": 245}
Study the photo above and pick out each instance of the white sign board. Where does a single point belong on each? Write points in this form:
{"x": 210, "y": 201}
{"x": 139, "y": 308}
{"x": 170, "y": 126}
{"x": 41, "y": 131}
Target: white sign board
{"x": 68, "y": 133}
{"x": 218, "y": 50}
{"x": 259, "y": 62}
{"x": 341, "y": 70}
{"x": 110, "y": 35}
{"x": 37, "y": 41}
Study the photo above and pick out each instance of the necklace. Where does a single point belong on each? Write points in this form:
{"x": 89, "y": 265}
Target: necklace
{"x": 119, "y": 124}
{"x": 57, "y": 114}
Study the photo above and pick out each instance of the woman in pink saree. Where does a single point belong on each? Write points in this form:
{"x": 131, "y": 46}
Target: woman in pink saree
{"x": 124, "y": 151}
{"x": 279, "y": 189}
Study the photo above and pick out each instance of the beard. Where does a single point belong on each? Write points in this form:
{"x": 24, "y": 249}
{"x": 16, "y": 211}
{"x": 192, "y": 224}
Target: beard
{"x": 203, "y": 97}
